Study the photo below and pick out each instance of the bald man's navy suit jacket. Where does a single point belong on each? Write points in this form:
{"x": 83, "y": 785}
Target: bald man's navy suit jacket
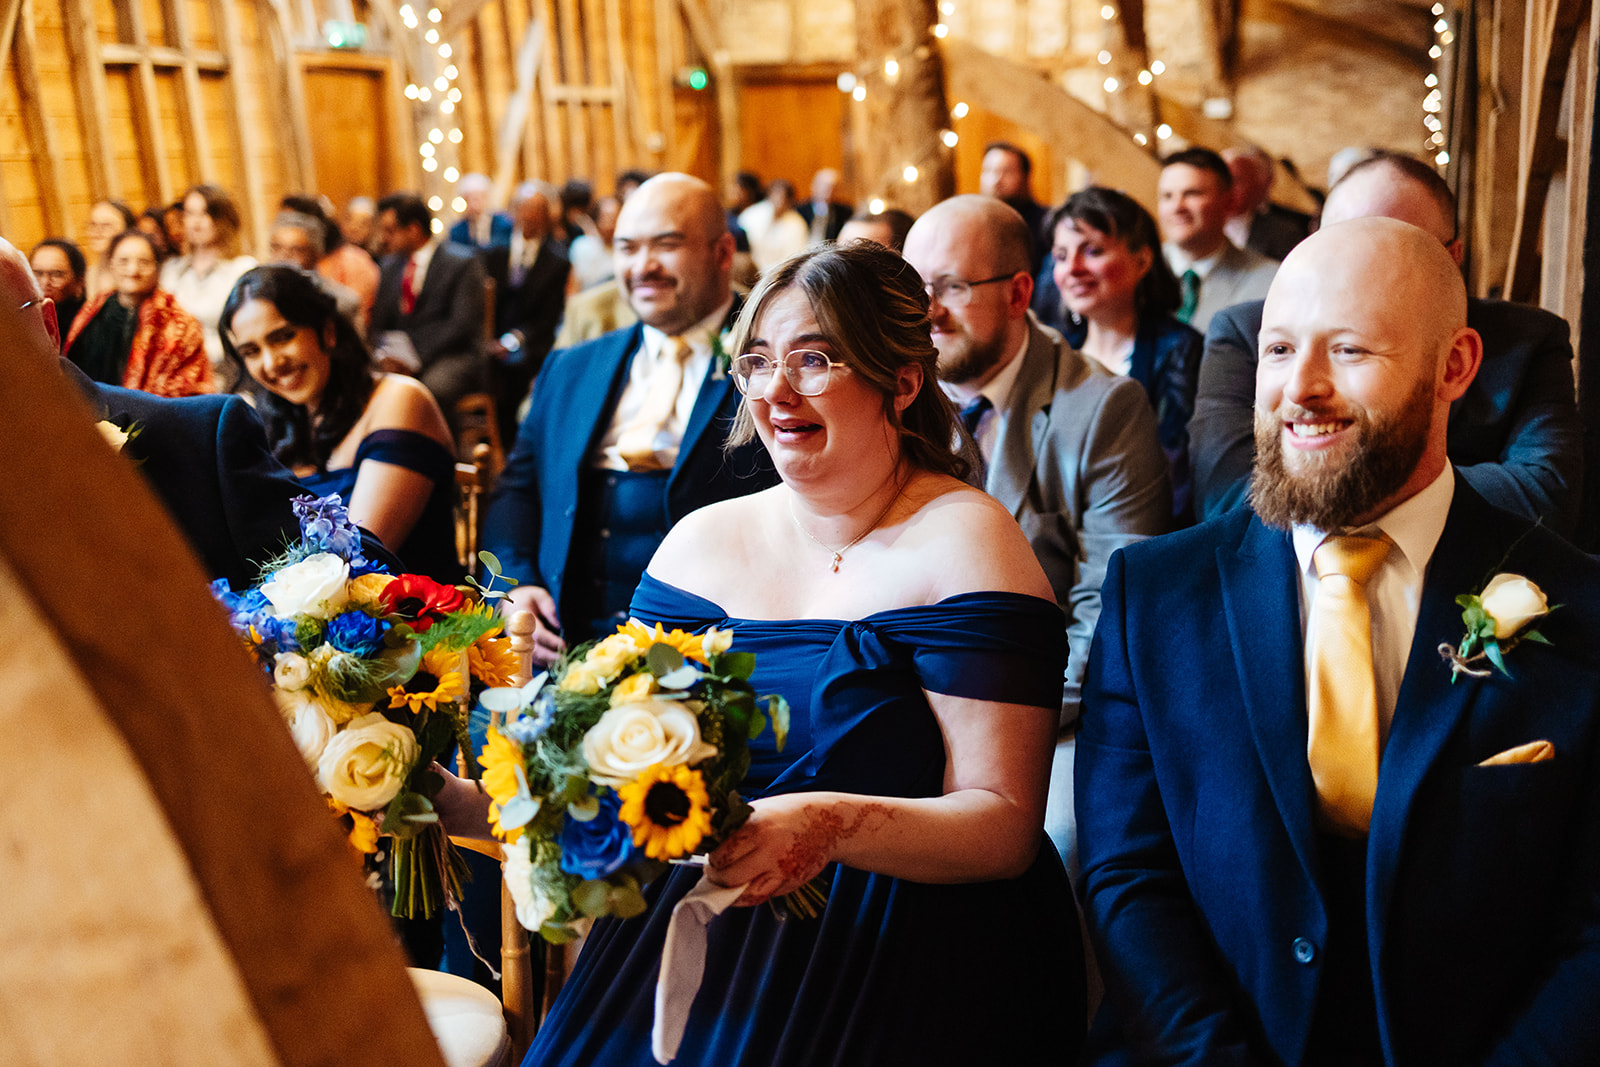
{"x": 1196, "y": 835}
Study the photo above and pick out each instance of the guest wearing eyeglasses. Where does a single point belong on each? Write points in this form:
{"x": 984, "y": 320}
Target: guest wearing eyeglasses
{"x": 1071, "y": 449}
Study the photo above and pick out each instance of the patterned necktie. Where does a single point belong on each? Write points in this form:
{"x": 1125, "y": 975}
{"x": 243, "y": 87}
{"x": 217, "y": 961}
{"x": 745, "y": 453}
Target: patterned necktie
{"x": 1189, "y": 285}
{"x": 972, "y": 413}
{"x": 1343, "y": 743}
{"x": 408, "y": 290}
{"x": 636, "y": 442}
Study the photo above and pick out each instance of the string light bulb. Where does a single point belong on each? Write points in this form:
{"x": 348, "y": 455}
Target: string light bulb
{"x": 458, "y": 204}
{"x": 1108, "y": 12}
{"x": 949, "y": 138}
{"x": 451, "y": 174}
{"x": 875, "y": 206}
{"x": 1163, "y": 131}
{"x": 846, "y": 82}
{"x": 959, "y": 111}
{"x": 941, "y": 31}
{"x": 909, "y": 174}
{"x": 859, "y": 93}
{"x": 1158, "y": 68}
{"x": 1111, "y": 85}
{"x": 1145, "y": 77}
{"x": 891, "y": 68}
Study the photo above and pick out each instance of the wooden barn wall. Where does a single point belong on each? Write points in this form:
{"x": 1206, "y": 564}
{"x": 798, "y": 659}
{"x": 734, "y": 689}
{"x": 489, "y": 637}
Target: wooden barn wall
{"x": 137, "y": 100}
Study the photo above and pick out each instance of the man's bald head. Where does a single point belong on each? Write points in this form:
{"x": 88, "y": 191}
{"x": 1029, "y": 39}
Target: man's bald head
{"x": 1363, "y": 348}
{"x": 673, "y": 253}
{"x": 993, "y": 230}
{"x": 1396, "y": 187}
{"x": 20, "y": 289}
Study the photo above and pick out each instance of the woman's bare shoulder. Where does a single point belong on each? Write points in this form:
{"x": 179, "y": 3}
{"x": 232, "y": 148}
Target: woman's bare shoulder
{"x": 708, "y": 544}
{"x": 402, "y": 403}
{"x": 970, "y": 543}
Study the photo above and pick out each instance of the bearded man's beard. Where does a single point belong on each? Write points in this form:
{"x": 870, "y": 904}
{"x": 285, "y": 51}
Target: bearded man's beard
{"x": 1341, "y": 489}
{"x": 971, "y": 360}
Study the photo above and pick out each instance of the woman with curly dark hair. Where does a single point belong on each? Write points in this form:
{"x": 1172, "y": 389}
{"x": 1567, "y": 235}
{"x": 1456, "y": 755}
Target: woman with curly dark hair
{"x": 378, "y": 440}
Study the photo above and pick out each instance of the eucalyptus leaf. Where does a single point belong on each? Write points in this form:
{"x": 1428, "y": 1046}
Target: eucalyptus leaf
{"x": 1466, "y": 600}
{"x": 682, "y": 678}
{"x": 625, "y": 901}
{"x": 490, "y": 560}
{"x": 1536, "y": 636}
{"x": 1492, "y": 648}
{"x": 663, "y": 659}
{"x": 518, "y": 812}
{"x": 557, "y": 933}
{"x": 591, "y": 897}
{"x": 739, "y": 664}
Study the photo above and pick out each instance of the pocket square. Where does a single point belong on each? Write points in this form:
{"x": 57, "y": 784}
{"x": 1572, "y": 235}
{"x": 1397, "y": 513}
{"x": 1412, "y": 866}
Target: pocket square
{"x": 1532, "y": 752}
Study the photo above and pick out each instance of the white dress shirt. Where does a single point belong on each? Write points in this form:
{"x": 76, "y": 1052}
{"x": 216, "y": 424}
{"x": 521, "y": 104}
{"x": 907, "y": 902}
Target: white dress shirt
{"x": 1180, "y": 262}
{"x": 1395, "y": 591}
{"x": 656, "y": 349}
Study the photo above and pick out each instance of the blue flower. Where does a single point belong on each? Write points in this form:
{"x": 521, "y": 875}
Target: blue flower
{"x": 357, "y": 633}
{"x": 325, "y": 525}
{"x": 527, "y": 728}
{"x": 596, "y": 848}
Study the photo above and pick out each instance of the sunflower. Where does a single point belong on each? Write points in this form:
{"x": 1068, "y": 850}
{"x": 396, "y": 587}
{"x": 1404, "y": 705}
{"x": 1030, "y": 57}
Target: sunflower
{"x": 499, "y": 759}
{"x": 363, "y": 832}
{"x": 668, "y": 809}
{"x": 447, "y": 691}
{"x": 491, "y": 661}
{"x": 690, "y": 646}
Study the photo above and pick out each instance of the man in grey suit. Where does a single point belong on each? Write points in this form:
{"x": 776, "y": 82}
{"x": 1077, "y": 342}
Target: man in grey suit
{"x": 1514, "y": 436}
{"x": 1071, "y": 450}
{"x": 1193, "y": 197}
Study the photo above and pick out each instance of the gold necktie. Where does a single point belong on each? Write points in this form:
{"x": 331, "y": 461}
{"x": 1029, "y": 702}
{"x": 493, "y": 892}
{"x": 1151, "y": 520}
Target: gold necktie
{"x": 636, "y": 442}
{"x": 1343, "y": 744}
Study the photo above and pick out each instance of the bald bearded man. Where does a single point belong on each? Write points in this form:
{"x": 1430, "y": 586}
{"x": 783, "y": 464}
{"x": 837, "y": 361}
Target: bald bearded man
{"x": 1514, "y": 435}
{"x": 1274, "y": 873}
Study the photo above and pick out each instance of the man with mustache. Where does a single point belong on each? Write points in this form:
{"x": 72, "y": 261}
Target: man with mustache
{"x": 624, "y": 434}
{"x": 1307, "y": 838}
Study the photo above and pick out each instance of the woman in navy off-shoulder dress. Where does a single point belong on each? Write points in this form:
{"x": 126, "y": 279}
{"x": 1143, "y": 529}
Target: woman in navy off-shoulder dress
{"x": 904, "y": 617}
{"x": 377, "y": 440}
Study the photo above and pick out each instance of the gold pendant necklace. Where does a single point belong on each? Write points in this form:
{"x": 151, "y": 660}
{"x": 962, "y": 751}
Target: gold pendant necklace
{"x": 838, "y": 553}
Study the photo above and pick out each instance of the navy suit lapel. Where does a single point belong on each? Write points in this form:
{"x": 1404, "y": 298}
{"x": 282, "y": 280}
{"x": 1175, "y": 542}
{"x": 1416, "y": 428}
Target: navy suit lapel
{"x": 1261, "y": 598}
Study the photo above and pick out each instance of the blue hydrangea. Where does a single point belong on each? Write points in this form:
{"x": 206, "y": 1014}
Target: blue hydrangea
{"x": 325, "y": 525}
{"x": 357, "y": 633}
{"x": 529, "y": 727}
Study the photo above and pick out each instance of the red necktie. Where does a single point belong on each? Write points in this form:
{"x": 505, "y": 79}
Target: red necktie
{"x": 408, "y": 292}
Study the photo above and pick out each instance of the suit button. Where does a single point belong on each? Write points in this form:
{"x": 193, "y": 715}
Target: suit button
{"x": 611, "y": 480}
{"x": 572, "y": 509}
{"x": 1304, "y": 951}
{"x": 605, "y": 533}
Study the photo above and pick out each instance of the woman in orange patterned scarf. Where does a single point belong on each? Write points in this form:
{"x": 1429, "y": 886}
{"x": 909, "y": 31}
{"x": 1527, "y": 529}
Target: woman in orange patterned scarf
{"x": 136, "y": 335}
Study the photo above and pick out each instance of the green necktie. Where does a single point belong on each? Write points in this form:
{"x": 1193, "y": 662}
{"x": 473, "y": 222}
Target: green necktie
{"x": 1189, "y": 284}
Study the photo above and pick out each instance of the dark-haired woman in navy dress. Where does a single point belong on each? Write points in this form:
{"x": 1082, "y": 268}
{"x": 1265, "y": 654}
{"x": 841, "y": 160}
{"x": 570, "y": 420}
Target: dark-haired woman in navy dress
{"x": 377, "y": 440}
{"x": 903, "y": 615}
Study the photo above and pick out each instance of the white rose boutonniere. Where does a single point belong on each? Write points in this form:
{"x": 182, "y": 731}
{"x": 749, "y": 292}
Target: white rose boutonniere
{"x": 721, "y": 358}
{"x": 1497, "y": 619}
{"x": 115, "y": 435}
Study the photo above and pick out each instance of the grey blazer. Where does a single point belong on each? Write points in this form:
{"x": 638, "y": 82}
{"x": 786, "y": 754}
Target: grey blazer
{"x": 1239, "y": 275}
{"x": 1078, "y": 464}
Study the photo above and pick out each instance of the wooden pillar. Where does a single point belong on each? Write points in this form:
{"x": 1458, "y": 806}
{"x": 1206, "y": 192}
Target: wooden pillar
{"x": 1587, "y": 341}
{"x": 904, "y": 112}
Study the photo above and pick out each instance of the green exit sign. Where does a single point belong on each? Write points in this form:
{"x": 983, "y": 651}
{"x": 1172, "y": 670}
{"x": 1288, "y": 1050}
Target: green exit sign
{"x": 341, "y": 34}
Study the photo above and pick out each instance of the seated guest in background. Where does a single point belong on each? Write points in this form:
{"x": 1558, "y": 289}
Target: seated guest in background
{"x": 625, "y": 435}
{"x": 530, "y": 280}
{"x": 628, "y": 181}
{"x": 154, "y": 223}
{"x": 775, "y": 228}
{"x": 60, "y": 269}
{"x": 1007, "y": 175}
{"x": 378, "y": 440}
{"x": 888, "y": 228}
{"x": 296, "y": 240}
{"x": 1305, "y": 840}
{"x": 136, "y": 335}
{"x": 594, "y": 313}
{"x": 1071, "y": 449}
{"x": 569, "y": 207}
{"x": 1193, "y": 196}
{"x": 824, "y": 216}
{"x": 591, "y": 252}
{"x": 431, "y": 291}
{"x": 201, "y": 279}
{"x": 1254, "y": 221}
{"x": 1515, "y": 436}
{"x": 172, "y": 226}
{"x": 358, "y": 224}
{"x": 479, "y": 226}
{"x": 107, "y": 219}
{"x": 343, "y": 262}
{"x": 914, "y": 777}
{"x": 1121, "y": 295}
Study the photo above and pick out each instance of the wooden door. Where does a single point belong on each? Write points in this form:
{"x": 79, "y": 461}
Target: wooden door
{"x": 792, "y": 128}
{"x": 353, "y": 145}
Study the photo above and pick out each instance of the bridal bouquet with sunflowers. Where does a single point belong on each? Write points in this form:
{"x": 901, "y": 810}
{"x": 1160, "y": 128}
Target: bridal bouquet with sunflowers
{"x": 626, "y": 759}
{"x": 375, "y": 674}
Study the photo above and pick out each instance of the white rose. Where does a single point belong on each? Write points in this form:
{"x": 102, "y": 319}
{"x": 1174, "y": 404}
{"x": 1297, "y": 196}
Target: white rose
{"x": 631, "y": 737}
{"x": 1512, "y": 602}
{"x": 367, "y": 762}
{"x": 290, "y": 671}
{"x": 533, "y": 907}
{"x": 309, "y": 723}
{"x": 115, "y": 435}
{"x": 314, "y": 586}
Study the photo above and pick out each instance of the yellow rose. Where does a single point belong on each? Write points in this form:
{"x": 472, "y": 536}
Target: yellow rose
{"x": 716, "y": 642}
{"x": 1512, "y": 602}
{"x": 632, "y": 737}
{"x": 610, "y": 657}
{"x": 633, "y": 688}
{"x": 581, "y": 678}
{"x": 367, "y": 588}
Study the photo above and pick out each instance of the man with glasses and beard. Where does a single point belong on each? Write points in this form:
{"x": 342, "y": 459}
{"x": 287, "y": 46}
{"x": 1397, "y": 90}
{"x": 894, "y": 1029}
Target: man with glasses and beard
{"x": 1314, "y": 827}
{"x": 624, "y": 434}
{"x": 1070, "y": 449}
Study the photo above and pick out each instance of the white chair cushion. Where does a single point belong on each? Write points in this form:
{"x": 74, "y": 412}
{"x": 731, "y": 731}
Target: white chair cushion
{"x": 466, "y": 1018}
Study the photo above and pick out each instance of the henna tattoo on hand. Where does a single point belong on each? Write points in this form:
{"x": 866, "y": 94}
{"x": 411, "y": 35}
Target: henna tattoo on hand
{"x": 811, "y": 848}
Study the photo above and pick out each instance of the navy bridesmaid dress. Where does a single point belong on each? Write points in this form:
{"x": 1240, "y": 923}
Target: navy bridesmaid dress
{"x": 893, "y": 972}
